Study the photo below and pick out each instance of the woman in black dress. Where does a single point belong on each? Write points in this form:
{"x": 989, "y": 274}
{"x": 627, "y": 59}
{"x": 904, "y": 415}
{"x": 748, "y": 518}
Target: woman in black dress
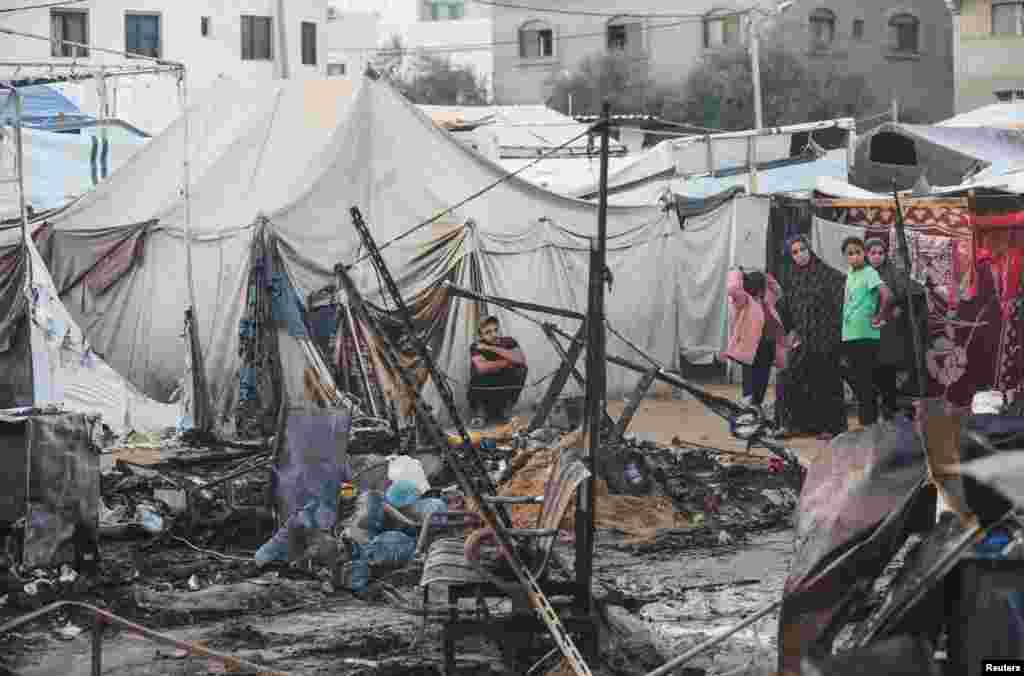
{"x": 812, "y": 397}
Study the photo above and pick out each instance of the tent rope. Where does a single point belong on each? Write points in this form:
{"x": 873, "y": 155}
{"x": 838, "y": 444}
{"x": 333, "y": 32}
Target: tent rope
{"x": 475, "y": 195}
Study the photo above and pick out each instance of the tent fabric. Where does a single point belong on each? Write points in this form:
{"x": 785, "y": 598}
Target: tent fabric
{"x": 972, "y": 343}
{"x": 63, "y": 368}
{"x": 44, "y": 107}
{"x": 292, "y": 159}
{"x": 687, "y": 156}
{"x": 857, "y": 506}
{"x": 902, "y": 153}
{"x": 1004, "y": 115}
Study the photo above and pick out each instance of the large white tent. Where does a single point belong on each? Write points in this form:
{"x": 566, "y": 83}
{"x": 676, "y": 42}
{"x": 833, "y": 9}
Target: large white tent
{"x": 287, "y": 163}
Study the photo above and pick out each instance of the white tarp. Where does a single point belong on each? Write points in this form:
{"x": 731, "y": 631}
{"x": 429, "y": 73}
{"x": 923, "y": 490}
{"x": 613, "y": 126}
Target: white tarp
{"x": 377, "y": 152}
{"x": 67, "y": 372}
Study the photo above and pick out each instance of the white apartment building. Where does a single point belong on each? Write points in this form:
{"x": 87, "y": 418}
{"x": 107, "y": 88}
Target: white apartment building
{"x": 458, "y": 29}
{"x": 247, "y": 40}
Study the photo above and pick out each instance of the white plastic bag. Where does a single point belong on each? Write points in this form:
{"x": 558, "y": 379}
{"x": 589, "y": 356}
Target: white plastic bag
{"x": 406, "y": 468}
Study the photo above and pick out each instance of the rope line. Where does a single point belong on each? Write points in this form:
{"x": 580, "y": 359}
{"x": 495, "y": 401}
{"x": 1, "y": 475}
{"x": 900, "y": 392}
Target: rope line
{"x": 477, "y": 194}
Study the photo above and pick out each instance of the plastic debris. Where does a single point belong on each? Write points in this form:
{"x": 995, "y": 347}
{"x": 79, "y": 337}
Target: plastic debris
{"x": 149, "y": 519}
{"x": 69, "y": 631}
{"x": 175, "y": 499}
{"x": 724, "y": 538}
{"x": 193, "y": 583}
{"x": 68, "y": 575}
{"x": 3, "y": 600}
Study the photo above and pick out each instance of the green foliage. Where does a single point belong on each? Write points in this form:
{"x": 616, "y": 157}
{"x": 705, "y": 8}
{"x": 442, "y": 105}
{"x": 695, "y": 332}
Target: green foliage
{"x": 623, "y": 81}
{"x": 791, "y": 91}
{"x": 429, "y": 79}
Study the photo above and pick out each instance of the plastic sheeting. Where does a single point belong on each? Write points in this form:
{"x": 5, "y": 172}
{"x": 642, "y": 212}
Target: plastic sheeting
{"x": 303, "y": 154}
{"x": 53, "y": 363}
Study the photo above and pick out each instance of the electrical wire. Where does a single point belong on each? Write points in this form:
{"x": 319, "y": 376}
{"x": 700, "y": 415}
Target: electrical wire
{"x": 467, "y": 200}
{"x": 609, "y": 14}
{"x": 482, "y": 46}
{"x": 24, "y": 8}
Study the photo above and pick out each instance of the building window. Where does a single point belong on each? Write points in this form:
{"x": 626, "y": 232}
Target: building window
{"x": 721, "y": 29}
{"x": 858, "y": 29}
{"x": 442, "y": 10}
{"x": 1007, "y": 18}
{"x": 335, "y": 70}
{"x": 308, "y": 43}
{"x": 823, "y": 27}
{"x": 904, "y": 33}
{"x": 625, "y": 37}
{"x": 204, "y": 26}
{"x": 257, "y": 38}
{"x": 536, "y": 40}
{"x": 142, "y": 34}
{"x": 69, "y": 24}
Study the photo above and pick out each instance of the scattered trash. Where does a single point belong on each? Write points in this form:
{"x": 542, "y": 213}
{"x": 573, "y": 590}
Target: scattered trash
{"x": 406, "y": 468}
{"x": 69, "y": 631}
{"x": 724, "y": 538}
{"x": 327, "y": 588}
{"x": 68, "y": 575}
{"x": 175, "y": 499}
{"x": 3, "y": 600}
{"x": 193, "y": 583}
{"x": 149, "y": 519}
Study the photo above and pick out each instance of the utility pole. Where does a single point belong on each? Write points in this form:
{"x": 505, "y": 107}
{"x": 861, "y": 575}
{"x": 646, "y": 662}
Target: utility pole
{"x": 595, "y": 384}
{"x": 755, "y": 69}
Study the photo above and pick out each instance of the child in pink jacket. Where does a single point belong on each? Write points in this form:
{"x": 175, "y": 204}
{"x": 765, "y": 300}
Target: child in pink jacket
{"x": 757, "y": 340}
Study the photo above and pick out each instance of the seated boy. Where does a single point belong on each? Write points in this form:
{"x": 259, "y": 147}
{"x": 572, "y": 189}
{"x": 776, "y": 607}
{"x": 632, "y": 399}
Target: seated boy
{"x": 497, "y": 374}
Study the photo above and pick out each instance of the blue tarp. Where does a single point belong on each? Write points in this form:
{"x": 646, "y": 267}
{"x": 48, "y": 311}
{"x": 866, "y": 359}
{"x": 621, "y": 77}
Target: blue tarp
{"x": 43, "y": 107}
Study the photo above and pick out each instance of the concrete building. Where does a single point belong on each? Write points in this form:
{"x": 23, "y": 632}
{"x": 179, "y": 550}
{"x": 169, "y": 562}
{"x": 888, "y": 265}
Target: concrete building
{"x": 990, "y": 51}
{"x": 904, "y": 48}
{"x": 457, "y": 29}
{"x": 242, "y": 39}
{"x": 352, "y": 39}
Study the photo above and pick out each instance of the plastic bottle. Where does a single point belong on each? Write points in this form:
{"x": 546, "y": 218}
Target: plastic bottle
{"x": 150, "y": 521}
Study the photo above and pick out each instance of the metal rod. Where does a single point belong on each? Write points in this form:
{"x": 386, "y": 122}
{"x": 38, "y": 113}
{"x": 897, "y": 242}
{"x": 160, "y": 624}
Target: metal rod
{"x": 106, "y": 617}
{"x": 102, "y": 50}
{"x": 915, "y": 328}
{"x": 712, "y": 642}
{"x": 97, "y": 645}
{"x": 359, "y": 358}
{"x": 522, "y": 305}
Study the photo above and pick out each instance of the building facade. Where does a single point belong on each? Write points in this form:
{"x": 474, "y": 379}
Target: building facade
{"x": 903, "y": 49}
{"x": 459, "y": 30}
{"x": 991, "y": 51}
{"x": 893, "y": 46}
{"x": 352, "y": 39}
{"x": 247, "y": 40}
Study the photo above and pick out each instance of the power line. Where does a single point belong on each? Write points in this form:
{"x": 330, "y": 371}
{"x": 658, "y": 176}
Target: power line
{"x": 610, "y": 14}
{"x": 482, "y": 46}
{"x": 477, "y": 194}
{"x": 45, "y": 5}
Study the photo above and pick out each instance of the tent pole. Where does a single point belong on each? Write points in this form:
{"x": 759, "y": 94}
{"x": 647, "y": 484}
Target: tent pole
{"x": 596, "y": 386}
{"x": 200, "y": 399}
{"x": 21, "y": 176}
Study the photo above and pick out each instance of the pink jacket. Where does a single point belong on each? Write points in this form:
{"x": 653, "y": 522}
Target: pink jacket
{"x": 749, "y": 320}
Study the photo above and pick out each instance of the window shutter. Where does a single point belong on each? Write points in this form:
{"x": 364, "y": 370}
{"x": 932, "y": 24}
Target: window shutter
{"x": 56, "y": 33}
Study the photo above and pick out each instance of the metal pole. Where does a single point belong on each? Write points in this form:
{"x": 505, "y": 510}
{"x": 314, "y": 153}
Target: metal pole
{"x": 20, "y": 161}
{"x": 895, "y": 109}
{"x": 97, "y": 645}
{"x": 711, "y": 642}
{"x": 755, "y": 69}
{"x": 596, "y": 368}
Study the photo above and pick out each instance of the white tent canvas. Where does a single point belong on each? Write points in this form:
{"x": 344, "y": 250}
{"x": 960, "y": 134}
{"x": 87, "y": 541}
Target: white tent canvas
{"x": 291, "y": 160}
